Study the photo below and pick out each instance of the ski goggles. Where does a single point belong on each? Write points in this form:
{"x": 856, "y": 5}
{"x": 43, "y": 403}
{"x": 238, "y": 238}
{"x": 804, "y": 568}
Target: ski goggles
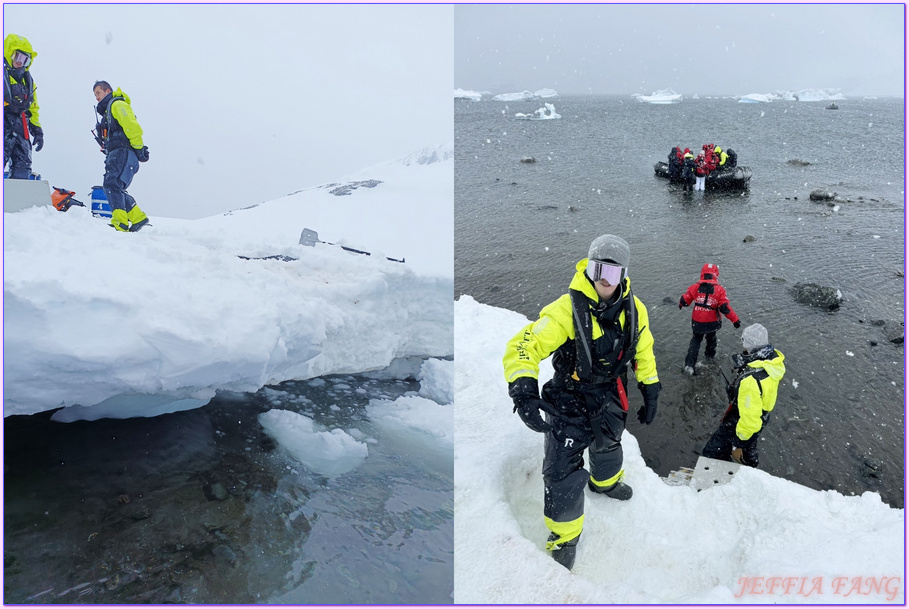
{"x": 22, "y": 58}
{"x": 612, "y": 273}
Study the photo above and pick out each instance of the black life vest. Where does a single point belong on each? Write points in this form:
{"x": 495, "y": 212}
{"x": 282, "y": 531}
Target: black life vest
{"x": 109, "y": 129}
{"x": 706, "y": 289}
{"x": 18, "y": 90}
{"x": 595, "y": 362}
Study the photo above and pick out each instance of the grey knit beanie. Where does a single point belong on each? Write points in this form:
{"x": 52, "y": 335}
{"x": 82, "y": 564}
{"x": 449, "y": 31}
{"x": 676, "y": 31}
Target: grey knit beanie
{"x": 754, "y": 337}
{"x": 610, "y": 247}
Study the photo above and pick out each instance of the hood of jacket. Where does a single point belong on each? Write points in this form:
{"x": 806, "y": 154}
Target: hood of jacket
{"x": 111, "y": 98}
{"x": 774, "y": 366}
{"x": 710, "y": 273}
{"x": 13, "y": 43}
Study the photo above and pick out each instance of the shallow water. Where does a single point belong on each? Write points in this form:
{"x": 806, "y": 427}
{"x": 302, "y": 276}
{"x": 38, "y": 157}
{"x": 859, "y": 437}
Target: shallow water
{"x": 203, "y": 507}
{"x": 520, "y": 228}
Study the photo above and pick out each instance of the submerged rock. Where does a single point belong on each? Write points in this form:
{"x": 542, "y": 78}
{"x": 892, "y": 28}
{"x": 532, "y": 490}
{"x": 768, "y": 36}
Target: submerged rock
{"x": 895, "y": 332}
{"x": 798, "y": 162}
{"x": 528, "y": 159}
{"x": 817, "y": 295}
{"x": 822, "y": 194}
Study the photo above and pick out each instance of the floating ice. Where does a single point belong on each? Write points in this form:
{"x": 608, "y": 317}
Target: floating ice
{"x": 328, "y": 453}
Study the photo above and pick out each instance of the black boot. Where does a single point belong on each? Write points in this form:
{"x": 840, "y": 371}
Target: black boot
{"x": 564, "y": 553}
{"x": 139, "y": 225}
{"x": 619, "y": 490}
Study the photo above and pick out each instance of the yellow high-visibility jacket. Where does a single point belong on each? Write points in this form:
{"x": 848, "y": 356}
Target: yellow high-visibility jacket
{"x": 757, "y": 395}
{"x": 538, "y": 340}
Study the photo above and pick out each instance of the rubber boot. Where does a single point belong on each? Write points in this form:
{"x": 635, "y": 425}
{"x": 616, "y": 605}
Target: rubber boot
{"x": 137, "y": 219}
{"x": 619, "y": 490}
{"x": 564, "y": 553}
{"x": 119, "y": 220}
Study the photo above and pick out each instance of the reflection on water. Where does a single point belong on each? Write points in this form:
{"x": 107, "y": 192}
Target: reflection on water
{"x": 202, "y": 507}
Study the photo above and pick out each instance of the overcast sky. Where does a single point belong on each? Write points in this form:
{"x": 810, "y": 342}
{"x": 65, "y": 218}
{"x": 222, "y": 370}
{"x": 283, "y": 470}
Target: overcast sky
{"x": 701, "y": 49}
{"x": 239, "y": 103}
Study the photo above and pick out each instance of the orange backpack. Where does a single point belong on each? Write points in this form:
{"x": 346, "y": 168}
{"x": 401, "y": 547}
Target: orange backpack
{"x": 63, "y": 199}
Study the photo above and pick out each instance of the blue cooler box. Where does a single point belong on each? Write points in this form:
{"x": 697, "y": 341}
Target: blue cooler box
{"x": 100, "y": 206}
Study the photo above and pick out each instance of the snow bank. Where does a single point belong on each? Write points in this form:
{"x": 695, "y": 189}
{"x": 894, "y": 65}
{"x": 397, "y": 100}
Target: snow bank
{"x": 431, "y": 412}
{"x": 140, "y": 323}
{"x": 668, "y": 544}
{"x": 437, "y": 380}
{"x": 415, "y": 413}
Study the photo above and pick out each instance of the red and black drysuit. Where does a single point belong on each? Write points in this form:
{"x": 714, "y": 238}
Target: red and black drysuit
{"x": 709, "y": 299}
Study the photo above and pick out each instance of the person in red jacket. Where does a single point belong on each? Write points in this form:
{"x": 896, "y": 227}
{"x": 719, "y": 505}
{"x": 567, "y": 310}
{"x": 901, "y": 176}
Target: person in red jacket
{"x": 709, "y": 299}
{"x": 701, "y": 171}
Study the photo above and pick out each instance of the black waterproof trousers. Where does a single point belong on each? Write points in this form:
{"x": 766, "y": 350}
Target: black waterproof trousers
{"x": 17, "y": 150}
{"x": 694, "y": 347}
{"x": 119, "y": 168}
{"x": 564, "y": 476}
{"x": 719, "y": 446}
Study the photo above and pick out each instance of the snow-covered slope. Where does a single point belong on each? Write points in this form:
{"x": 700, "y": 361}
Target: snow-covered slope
{"x": 758, "y": 539}
{"x": 174, "y": 313}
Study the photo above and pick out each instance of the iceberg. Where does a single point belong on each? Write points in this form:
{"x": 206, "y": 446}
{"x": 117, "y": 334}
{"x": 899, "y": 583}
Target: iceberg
{"x": 526, "y": 95}
{"x": 663, "y": 96}
{"x": 469, "y": 95}
{"x": 802, "y": 95}
{"x": 818, "y": 95}
{"x": 540, "y": 114}
{"x": 511, "y": 97}
{"x": 754, "y": 98}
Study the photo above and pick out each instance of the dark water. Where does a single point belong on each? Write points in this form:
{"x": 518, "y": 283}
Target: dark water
{"x": 202, "y": 507}
{"x": 521, "y": 227}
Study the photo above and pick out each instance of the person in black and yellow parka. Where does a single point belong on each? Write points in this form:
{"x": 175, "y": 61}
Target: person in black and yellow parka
{"x": 120, "y": 137}
{"x": 22, "y": 130}
{"x": 595, "y": 333}
{"x": 758, "y": 371}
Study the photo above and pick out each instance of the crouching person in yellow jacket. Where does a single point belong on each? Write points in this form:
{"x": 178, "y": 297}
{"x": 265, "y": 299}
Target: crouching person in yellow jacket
{"x": 758, "y": 371}
{"x": 120, "y": 136}
{"x": 594, "y": 333}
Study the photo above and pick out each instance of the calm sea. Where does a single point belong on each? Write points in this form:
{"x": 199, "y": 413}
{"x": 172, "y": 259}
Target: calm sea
{"x": 520, "y": 228}
{"x": 202, "y": 506}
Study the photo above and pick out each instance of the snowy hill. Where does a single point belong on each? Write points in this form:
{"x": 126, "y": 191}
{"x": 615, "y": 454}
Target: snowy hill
{"x": 143, "y": 323}
{"x": 759, "y": 539}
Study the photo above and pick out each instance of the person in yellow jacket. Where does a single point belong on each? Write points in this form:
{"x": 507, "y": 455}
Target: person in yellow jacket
{"x": 21, "y": 128}
{"x": 722, "y": 158}
{"x": 758, "y": 371}
{"x": 120, "y": 136}
{"x": 595, "y": 333}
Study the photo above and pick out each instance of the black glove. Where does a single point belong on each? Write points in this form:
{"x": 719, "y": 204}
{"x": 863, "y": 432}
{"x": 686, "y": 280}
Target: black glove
{"x": 682, "y": 302}
{"x": 736, "y": 324}
{"x": 647, "y": 412}
{"x": 37, "y": 137}
{"x": 525, "y": 392}
{"x": 529, "y": 411}
{"x": 142, "y": 154}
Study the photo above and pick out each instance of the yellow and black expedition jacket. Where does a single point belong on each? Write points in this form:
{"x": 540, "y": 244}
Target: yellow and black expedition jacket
{"x": 555, "y": 332}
